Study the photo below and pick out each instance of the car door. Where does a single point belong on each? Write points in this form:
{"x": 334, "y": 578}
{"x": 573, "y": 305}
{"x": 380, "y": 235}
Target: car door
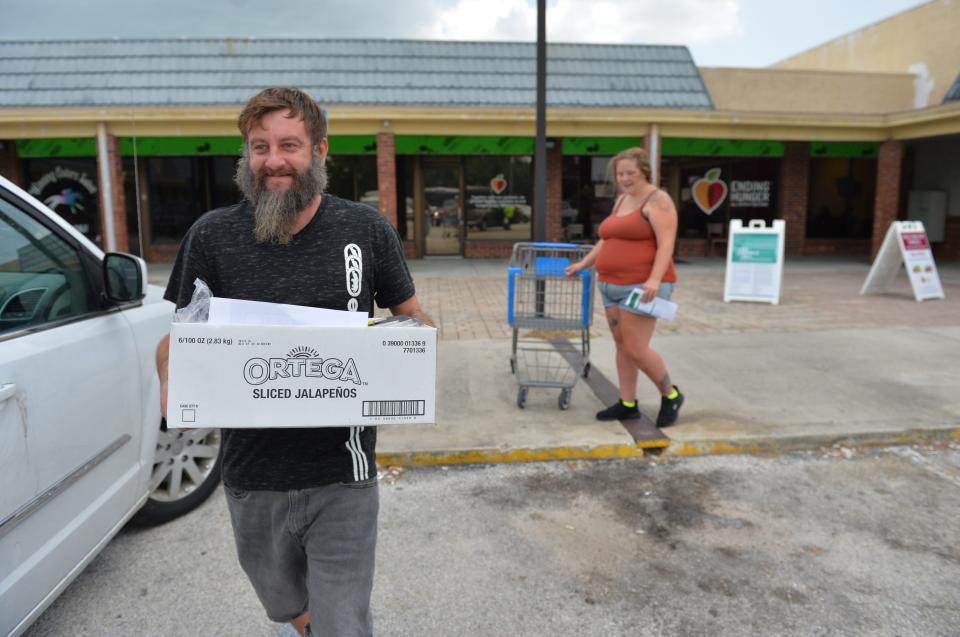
{"x": 70, "y": 418}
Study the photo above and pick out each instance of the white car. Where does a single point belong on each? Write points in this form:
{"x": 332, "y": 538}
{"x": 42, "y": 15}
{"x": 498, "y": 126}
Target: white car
{"x": 81, "y": 446}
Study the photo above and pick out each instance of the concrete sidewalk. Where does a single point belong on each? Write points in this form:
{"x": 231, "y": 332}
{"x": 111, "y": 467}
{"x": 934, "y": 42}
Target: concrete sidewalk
{"x": 824, "y": 367}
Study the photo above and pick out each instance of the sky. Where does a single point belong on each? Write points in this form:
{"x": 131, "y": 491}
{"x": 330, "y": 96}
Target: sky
{"x": 746, "y": 33}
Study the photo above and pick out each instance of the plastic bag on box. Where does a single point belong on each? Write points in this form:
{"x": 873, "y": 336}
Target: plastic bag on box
{"x": 198, "y": 309}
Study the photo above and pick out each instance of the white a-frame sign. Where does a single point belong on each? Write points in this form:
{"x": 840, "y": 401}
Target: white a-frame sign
{"x": 754, "y": 261}
{"x": 906, "y": 242}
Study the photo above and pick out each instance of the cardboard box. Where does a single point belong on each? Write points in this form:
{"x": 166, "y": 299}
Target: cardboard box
{"x": 242, "y": 376}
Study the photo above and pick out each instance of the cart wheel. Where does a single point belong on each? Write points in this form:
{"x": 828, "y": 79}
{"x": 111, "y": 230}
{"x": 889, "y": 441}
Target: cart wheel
{"x": 586, "y": 370}
{"x": 564, "y": 400}
{"x": 521, "y": 397}
{"x": 513, "y": 366}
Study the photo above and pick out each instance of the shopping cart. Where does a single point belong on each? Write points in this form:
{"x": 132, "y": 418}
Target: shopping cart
{"x": 543, "y": 304}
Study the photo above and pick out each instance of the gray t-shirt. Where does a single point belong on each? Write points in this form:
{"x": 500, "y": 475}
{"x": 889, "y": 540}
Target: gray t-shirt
{"x": 347, "y": 257}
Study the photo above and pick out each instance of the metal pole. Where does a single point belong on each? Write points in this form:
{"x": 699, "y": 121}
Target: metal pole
{"x": 540, "y": 157}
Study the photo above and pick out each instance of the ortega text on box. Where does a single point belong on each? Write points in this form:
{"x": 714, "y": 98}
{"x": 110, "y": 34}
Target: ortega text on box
{"x": 243, "y": 376}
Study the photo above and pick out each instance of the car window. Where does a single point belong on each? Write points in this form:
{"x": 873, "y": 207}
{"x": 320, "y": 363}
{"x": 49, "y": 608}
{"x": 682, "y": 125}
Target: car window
{"x": 41, "y": 277}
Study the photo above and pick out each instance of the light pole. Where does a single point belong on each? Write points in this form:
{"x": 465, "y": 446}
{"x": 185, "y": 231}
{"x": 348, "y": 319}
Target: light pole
{"x": 540, "y": 151}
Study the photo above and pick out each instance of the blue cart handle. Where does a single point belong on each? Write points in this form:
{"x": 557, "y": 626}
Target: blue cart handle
{"x": 555, "y": 245}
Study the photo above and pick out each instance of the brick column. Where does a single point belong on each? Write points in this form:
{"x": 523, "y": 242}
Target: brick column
{"x": 555, "y": 191}
{"x": 116, "y": 194}
{"x": 887, "y": 202}
{"x": 10, "y": 163}
{"x": 387, "y": 176}
{"x": 793, "y": 195}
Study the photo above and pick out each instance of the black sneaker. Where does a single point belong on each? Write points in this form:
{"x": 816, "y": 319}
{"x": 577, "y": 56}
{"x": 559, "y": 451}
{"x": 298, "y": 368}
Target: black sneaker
{"x": 669, "y": 409}
{"x": 619, "y": 411}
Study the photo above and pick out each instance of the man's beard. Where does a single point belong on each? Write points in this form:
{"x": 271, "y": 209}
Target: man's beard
{"x": 275, "y": 212}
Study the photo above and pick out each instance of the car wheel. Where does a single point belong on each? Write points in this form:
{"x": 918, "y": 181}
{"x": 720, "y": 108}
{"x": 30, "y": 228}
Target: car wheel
{"x": 186, "y": 470}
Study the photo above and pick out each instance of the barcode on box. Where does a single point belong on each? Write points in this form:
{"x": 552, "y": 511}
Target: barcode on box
{"x": 394, "y": 407}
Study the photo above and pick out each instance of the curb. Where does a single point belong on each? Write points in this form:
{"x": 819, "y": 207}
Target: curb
{"x": 767, "y": 445}
{"x": 703, "y": 447}
{"x": 499, "y": 456}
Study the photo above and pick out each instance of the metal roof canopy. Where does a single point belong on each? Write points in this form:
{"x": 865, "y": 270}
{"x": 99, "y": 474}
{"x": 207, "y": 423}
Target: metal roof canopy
{"x": 219, "y": 72}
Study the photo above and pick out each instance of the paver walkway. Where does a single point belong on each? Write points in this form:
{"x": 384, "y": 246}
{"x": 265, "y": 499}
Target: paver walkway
{"x": 813, "y": 298}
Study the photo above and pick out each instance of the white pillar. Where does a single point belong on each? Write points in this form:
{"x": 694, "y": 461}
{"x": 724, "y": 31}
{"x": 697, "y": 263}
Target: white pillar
{"x": 106, "y": 189}
{"x": 655, "y": 155}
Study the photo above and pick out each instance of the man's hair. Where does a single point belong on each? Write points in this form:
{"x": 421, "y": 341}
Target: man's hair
{"x": 279, "y": 98}
{"x": 639, "y": 156}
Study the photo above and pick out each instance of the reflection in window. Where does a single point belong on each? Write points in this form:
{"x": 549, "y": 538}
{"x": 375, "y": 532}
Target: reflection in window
{"x": 499, "y": 197}
{"x": 177, "y": 196}
{"x": 587, "y": 196}
{"x": 354, "y": 177}
{"x": 841, "y": 198}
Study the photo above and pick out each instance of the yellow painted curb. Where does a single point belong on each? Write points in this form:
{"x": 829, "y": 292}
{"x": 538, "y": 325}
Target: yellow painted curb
{"x": 487, "y": 456}
{"x": 668, "y": 447}
{"x": 813, "y": 442}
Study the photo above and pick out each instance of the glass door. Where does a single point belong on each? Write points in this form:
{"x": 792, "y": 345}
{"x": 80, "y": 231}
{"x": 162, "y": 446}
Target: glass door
{"x": 442, "y": 217}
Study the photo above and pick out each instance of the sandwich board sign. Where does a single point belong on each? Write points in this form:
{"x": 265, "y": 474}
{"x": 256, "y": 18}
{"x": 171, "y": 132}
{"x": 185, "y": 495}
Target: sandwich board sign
{"x": 754, "y": 261}
{"x": 906, "y": 242}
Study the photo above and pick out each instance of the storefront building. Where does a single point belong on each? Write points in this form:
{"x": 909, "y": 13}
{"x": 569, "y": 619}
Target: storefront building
{"x": 439, "y": 137}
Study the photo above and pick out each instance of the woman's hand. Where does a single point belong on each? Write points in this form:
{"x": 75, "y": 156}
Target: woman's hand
{"x": 573, "y": 268}
{"x": 650, "y": 289}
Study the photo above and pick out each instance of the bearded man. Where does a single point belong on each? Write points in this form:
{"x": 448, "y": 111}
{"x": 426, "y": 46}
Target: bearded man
{"x": 303, "y": 502}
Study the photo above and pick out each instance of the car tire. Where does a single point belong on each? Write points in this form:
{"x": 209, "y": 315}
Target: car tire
{"x": 186, "y": 471}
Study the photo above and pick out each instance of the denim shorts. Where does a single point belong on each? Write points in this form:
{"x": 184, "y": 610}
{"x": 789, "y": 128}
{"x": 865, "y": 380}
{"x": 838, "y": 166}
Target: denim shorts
{"x": 310, "y": 549}
{"x": 616, "y": 295}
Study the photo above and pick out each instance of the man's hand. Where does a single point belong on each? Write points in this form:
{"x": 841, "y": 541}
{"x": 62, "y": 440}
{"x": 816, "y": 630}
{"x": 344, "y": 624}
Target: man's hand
{"x": 411, "y": 307}
{"x": 163, "y": 361}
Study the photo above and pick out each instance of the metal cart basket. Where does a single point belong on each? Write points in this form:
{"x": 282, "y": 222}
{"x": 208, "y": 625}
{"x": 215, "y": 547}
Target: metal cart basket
{"x": 543, "y": 302}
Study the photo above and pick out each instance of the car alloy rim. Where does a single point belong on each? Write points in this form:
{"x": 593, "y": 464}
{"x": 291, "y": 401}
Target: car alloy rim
{"x": 184, "y": 459}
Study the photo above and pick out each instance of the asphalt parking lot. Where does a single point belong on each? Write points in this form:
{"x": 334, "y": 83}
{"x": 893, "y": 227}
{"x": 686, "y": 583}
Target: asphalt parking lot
{"x": 840, "y": 541}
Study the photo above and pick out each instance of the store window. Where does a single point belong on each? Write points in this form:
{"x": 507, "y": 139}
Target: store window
{"x": 842, "y": 191}
{"x": 354, "y": 177}
{"x": 710, "y": 191}
{"x": 177, "y": 195}
{"x": 499, "y": 197}
{"x": 69, "y": 187}
{"x": 588, "y": 195}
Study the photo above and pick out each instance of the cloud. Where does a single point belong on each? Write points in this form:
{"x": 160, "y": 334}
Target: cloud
{"x": 634, "y": 22}
{"x": 690, "y": 22}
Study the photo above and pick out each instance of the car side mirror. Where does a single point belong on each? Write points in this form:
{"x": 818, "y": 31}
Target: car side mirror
{"x": 124, "y": 277}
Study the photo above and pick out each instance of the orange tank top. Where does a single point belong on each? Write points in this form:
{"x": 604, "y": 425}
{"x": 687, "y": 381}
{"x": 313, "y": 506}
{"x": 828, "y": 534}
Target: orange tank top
{"x": 629, "y": 248}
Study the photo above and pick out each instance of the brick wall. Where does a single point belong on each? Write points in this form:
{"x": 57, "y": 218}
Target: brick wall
{"x": 554, "y": 192}
{"x": 837, "y": 247}
{"x": 489, "y": 249}
{"x": 410, "y": 250}
{"x": 887, "y": 202}
{"x": 115, "y": 166}
{"x": 10, "y": 163}
{"x": 162, "y": 252}
{"x": 387, "y": 176}
{"x": 793, "y": 195}
{"x": 691, "y": 247}
{"x": 949, "y": 249}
